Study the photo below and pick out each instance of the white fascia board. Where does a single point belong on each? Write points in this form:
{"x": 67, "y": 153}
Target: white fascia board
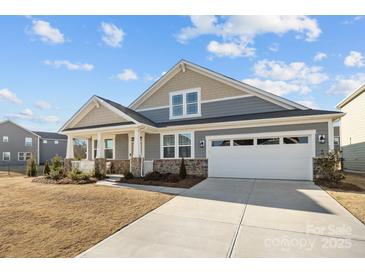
{"x": 350, "y": 97}
{"x": 100, "y": 129}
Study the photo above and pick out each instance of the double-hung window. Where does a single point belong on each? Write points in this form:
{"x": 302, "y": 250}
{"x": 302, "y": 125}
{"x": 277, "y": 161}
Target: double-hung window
{"x": 28, "y": 141}
{"x": 24, "y": 156}
{"x": 95, "y": 148}
{"x": 6, "y": 156}
{"x": 185, "y": 104}
{"x": 109, "y": 148}
{"x": 178, "y": 145}
{"x": 5, "y": 139}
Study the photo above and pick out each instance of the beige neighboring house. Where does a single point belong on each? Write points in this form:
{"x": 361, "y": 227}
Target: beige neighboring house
{"x": 353, "y": 130}
{"x": 222, "y": 127}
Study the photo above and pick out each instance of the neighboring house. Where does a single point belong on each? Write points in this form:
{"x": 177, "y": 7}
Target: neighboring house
{"x": 18, "y": 144}
{"x": 337, "y": 138}
{"x": 220, "y": 126}
{"x": 353, "y": 130}
{"x": 51, "y": 144}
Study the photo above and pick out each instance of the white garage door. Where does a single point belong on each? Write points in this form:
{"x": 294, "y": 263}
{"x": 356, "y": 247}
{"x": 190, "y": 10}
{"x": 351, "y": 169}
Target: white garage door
{"x": 286, "y": 155}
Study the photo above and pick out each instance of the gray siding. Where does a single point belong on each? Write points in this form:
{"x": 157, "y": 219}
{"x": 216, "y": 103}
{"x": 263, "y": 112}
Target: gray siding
{"x": 354, "y": 157}
{"x": 49, "y": 150}
{"x": 321, "y": 128}
{"x": 152, "y": 146}
{"x": 220, "y": 108}
{"x": 16, "y": 143}
{"x": 121, "y": 147}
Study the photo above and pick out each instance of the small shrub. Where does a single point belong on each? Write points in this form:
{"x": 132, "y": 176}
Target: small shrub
{"x": 47, "y": 169}
{"x": 173, "y": 178}
{"x": 56, "y": 163}
{"x": 31, "y": 168}
{"x": 182, "y": 172}
{"x": 78, "y": 175}
{"x": 154, "y": 175}
{"x": 55, "y": 175}
{"x": 128, "y": 175}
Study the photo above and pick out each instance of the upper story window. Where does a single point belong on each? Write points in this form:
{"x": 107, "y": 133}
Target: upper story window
{"x": 45, "y": 141}
{"x": 28, "y": 141}
{"x": 185, "y": 103}
{"x": 56, "y": 142}
{"x": 5, "y": 139}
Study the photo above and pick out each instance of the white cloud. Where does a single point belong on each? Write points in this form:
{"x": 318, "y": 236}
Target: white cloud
{"x": 127, "y": 75}
{"x": 9, "y": 96}
{"x": 308, "y": 103}
{"x": 28, "y": 114}
{"x": 46, "y": 32}
{"x": 43, "y": 105}
{"x": 69, "y": 65}
{"x": 346, "y": 85}
{"x": 274, "y": 47}
{"x": 242, "y": 30}
{"x": 295, "y": 71}
{"x": 230, "y": 49}
{"x": 279, "y": 88}
{"x": 354, "y": 59}
{"x": 112, "y": 35}
{"x": 320, "y": 56}
{"x": 353, "y": 20}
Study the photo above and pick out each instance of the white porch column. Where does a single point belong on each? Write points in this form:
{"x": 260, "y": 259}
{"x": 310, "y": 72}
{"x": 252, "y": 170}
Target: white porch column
{"x": 70, "y": 147}
{"x": 100, "y": 147}
{"x": 331, "y": 139}
{"x": 137, "y": 143}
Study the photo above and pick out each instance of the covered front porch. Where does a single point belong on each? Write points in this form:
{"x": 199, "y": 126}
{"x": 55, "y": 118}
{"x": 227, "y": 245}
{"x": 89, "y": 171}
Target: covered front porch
{"x": 110, "y": 151}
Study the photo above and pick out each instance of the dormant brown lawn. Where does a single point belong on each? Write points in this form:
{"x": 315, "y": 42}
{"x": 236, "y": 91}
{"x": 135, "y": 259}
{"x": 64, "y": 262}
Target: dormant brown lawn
{"x": 40, "y": 220}
{"x": 353, "y": 201}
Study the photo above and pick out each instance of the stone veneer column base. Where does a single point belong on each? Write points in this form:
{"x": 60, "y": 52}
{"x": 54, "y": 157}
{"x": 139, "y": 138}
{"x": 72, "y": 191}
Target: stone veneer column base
{"x": 197, "y": 167}
{"x": 67, "y": 165}
{"x": 100, "y": 167}
{"x": 136, "y": 164}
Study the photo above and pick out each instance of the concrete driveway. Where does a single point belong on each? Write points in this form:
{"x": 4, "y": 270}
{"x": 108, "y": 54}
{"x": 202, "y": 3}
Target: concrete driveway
{"x": 241, "y": 218}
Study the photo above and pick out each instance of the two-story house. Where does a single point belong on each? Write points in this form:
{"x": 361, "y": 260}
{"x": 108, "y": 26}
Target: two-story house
{"x": 222, "y": 127}
{"x": 352, "y": 130}
{"x": 18, "y": 144}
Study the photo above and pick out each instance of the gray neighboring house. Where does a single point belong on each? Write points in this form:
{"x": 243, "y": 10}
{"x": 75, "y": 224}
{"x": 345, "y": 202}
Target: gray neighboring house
{"x": 353, "y": 130}
{"x": 18, "y": 144}
{"x": 222, "y": 127}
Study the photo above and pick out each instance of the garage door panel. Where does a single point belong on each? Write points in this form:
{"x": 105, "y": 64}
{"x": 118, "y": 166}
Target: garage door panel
{"x": 283, "y": 161}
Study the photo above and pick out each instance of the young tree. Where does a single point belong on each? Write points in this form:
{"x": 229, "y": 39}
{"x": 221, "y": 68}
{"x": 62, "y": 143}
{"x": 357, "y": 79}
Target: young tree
{"x": 182, "y": 172}
{"x": 47, "y": 169}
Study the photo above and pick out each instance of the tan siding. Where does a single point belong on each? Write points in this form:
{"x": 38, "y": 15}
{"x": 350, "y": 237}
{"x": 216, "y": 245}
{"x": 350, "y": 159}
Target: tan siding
{"x": 353, "y": 123}
{"x": 210, "y": 89}
{"x": 99, "y": 116}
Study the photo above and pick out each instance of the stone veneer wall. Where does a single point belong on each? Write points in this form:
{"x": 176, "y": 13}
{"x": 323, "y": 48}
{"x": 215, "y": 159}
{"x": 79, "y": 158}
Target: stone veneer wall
{"x": 136, "y": 166}
{"x": 67, "y": 165}
{"x": 198, "y": 167}
{"x": 100, "y": 167}
{"x": 120, "y": 166}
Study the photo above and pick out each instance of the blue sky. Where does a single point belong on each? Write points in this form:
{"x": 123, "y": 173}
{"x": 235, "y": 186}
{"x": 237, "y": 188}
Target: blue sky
{"x": 50, "y": 65}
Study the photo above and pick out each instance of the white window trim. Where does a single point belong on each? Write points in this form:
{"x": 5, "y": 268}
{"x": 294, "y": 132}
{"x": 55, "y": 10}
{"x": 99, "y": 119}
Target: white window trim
{"x": 176, "y": 134}
{"x": 93, "y": 148}
{"x": 56, "y": 142}
{"x": 6, "y": 138}
{"x": 5, "y": 152}
{"x": 25, "y": 156}
{"x": 184, "y": 104}
{"x": 25, "y": 141}
{"x": 45, "y": 141}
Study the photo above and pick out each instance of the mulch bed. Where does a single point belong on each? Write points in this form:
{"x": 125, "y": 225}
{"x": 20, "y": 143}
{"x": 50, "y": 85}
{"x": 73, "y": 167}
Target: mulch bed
{"x": 188, "y": 182}
{"x": 341, "y": 186}
{"x": 63, "y": 181}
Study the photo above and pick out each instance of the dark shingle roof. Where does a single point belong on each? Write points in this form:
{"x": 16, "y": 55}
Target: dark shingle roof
{"x": 51, "y": 135}
{"x": 130, "y": 112}
{"x": 252, "y": 116}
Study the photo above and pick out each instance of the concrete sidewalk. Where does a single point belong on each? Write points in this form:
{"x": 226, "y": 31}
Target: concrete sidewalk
{"x": 241, "y": 218}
